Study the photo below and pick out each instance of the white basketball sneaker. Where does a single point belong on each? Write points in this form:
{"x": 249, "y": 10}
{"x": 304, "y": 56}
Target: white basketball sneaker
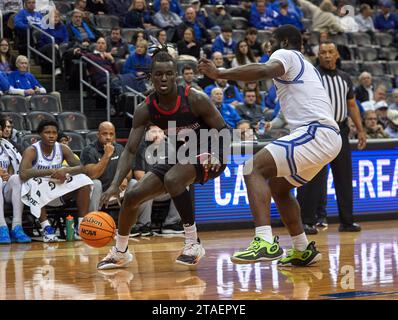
{"x": 191, "y": 253}
{"x": 115, "y": 259}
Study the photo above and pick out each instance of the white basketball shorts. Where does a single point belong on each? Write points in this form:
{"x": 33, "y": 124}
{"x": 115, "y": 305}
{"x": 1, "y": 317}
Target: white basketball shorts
{"x": 300, "y": 155}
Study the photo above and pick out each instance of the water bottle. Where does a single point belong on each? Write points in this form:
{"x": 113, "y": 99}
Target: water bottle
{"x": 70, "y": 228}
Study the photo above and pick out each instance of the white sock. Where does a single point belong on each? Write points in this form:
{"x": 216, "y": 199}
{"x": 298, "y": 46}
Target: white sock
{"x": 122, "y": 242}
{"x": 300, "y": 242}
{"x": 191, "y": 235}
{"x": 44, "y": 224}
{"x": 265, "y": 232}
{"x": 16, "y": 223}
{"x": 79, "y": 221}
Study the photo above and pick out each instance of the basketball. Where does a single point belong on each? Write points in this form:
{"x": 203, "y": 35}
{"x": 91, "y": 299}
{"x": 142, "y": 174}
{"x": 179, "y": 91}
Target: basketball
{"x": 97, "y": 229}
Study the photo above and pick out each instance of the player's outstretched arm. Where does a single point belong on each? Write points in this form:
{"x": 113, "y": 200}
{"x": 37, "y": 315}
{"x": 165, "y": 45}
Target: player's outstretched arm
{"x": 248, "y": 72}
{"x": 140, "y": 121}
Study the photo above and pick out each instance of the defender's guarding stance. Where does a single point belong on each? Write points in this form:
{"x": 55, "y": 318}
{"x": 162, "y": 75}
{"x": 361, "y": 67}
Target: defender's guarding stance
{"x": 290, "y": 161}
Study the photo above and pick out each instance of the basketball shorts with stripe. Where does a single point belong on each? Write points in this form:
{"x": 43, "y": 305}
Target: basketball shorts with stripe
{"x": 300, "y": 155}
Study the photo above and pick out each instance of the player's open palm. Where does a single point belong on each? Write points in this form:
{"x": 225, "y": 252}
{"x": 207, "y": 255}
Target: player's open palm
{"x": 208, "y": 68}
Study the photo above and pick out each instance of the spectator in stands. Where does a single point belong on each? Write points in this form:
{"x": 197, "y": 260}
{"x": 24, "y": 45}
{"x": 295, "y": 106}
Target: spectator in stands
{"x": 189, "y": 21}
{"x": 381, "y": 109}
{"x": 249, "y": 110}
{"x": 229, "y": 114}
{"x": 88, "y": 16}
{"x": 364, "y": 19}
{"x": 36, "y": 163}
{"x": 372, "y": 128}
{"x": 154, "y": 136}
{"x": 21, "y": 23}
{"x": 138, "y": 36}
{"x": 220, "y": 16}
{"x": 243, "y": 56}
{"x": 392, "y": 127}
{"x": 63, "y": 138}
{"x": 79, "y": 31}
{"x": 263, "y": 18}
{"x": 246, "y": 131}
{"x": 225, "y": 44}
{"x": 119, "y": 8}
{"x": 188, "y": 44}
{"x": 188, "y": 77}
{"x": 244, "y": 10}
{"x": 323, "y": 17}
{"x": 4, "y": 84}
{"x": 254, "y": 45}
{"x": 231, "y": 93}
{"x": 44, "y": 44}
{"x": 175, "y": 6}
{"x": 10, "y": 192}
{"x": 161, "y": 36}
{"x": 260, "y": 98}
{"x": 97, "y": 6}
{"x": 353, "y": 129}
{"x": 139, "y": 62}
{"x": 364, "y": 92}
{"x": 386, "y": 20}
{"x": 347, "y": 21}
{"x": 116, "y": 45}
{"x": 287, "y": 16}
{"x": 218, "y": 60}
{"x": 138, "y": 16}
{"x": 394, "y": 105}
{"x": 265, "y": 47}
{"x": 23, "y": 82}
{"x": 103, "y": 154}
{"x": 9, "y": 8}
{"x": 167, "y": 20}
{"x": 380, "y": 94}
{"x": 203, "y": 17}
{"x": 7, "y": 60}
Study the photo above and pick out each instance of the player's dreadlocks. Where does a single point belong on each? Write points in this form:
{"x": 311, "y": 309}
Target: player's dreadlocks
{"x": 161, "y": 54}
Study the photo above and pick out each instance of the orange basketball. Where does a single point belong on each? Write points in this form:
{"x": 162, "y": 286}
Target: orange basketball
{"x": 97, "y": 229}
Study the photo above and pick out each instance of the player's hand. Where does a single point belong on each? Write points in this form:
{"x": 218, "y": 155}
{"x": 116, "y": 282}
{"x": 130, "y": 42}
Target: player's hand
{"x": 208, "y": 68}
{"x": 209, "y": 162}
{"x": 124, "y": 184}
{"x": 60, "y": 174}
{"x": 112, "y": 191}
{"x": 109, "y": 148}
{"x": 268, "y": 126}
{"x": 29, "y": 91}
{"x": 361, "y": 140}
{"x": 4, "y": 175}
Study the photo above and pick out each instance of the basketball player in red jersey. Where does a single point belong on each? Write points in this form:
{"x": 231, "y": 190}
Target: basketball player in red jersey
{"x": 187, "y": 108}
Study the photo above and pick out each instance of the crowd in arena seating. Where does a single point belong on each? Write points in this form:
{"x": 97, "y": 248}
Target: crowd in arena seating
{"x": 119, "y": 35}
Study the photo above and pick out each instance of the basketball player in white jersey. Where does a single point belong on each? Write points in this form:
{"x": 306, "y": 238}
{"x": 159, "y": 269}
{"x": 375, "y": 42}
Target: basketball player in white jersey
{"x": 44, "y": 159}
{"x": 290, "y": 161}
{"x": 10, "y": 191}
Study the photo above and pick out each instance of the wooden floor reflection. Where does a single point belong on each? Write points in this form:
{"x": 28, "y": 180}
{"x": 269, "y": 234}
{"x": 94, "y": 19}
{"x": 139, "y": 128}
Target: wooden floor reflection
{"x": 354, "y": 266}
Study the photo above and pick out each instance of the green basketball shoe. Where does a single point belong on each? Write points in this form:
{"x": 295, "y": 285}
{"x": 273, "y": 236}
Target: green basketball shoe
{"x": 259, "y": 250}
{"x": 301, "y": 258}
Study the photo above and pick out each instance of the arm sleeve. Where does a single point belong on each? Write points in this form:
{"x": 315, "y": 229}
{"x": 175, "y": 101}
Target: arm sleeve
{"x": 286, "y": 58}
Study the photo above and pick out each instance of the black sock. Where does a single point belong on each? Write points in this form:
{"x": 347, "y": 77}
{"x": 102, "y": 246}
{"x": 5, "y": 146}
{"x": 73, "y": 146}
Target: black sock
{"x": 183, "y": 203}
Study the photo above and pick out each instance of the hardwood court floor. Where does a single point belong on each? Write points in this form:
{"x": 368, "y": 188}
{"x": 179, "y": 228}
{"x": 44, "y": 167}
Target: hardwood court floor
{"x": 67, "y": 270}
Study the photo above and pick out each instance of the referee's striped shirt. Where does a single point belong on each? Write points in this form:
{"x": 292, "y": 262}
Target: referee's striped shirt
{"x": 340, "y": 88}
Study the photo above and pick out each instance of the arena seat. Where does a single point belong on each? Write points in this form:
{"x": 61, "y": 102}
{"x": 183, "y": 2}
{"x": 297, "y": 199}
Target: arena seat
{"x": 28, "y": 139}
{"x": 350, "y": 66}
{"x": 375, "y": 68}
{"x": 76, "y": 141}
{"x": 389, "y": 54}
{"x": 361, "y": 39}
{"x": 238, "y": 35}
{"x": 91, "y": 137}
{"x": 393, "y": 67}
{"x": 263, "y": 36}
{"x": 72, "y": 121}
{"x": 106, "y": 21}
{"x": 383, "y": 39}
{"x": 63, "y": 6}
{"x": 35, "y": 117}
{"x": 14, "y": 104}
{"x": 367, "y": 53}
{"x": 240, "y": 23}
{"x": 127, "y": 33}
{"x": 45, "y": 102}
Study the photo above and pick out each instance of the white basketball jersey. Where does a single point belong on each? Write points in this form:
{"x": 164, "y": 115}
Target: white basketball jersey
{"x": 53, "y": 161}
{"x": 4, "y": 159}
{"x": 302, "y": 97}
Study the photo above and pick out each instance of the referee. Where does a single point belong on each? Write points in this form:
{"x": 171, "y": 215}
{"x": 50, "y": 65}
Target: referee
{"x": 312, "y": 196}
